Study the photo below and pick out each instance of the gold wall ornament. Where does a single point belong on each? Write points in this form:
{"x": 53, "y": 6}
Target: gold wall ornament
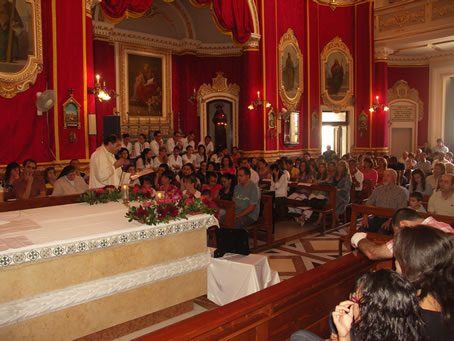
{"x": 290, "y": 70}
{"x": 336, "y": 65}
{"x": 401, "y": 90}
{"x": 21, "y": 60}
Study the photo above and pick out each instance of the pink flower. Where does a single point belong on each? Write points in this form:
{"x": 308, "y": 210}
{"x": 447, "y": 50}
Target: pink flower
{"x": 189, "y": 201}
{"x": 144, "y": 190}
{"x": 136, "y": 190}
{"x": 146, "y": 204}
{"x": 99, "y": 190}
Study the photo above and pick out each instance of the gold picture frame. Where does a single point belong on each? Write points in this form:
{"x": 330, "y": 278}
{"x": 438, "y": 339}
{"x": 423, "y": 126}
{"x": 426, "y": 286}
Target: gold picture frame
{"x": 336, "y": 64}
{"x": 149, "y": 69}
{"x": 291, "y": 84}
{"x": 22, "y": 59}
{"x": 71, "y": 112}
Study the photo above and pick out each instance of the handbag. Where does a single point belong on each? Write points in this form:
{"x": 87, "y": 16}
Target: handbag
{"x": 231, "y": 241}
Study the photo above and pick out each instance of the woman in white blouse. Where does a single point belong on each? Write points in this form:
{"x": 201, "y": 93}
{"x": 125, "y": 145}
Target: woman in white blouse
{"x": 69, "y": 183}
{"x": 160, "y": 159}
{"x": 189, "y": 157}
{"x": 145, "y": 160}
{"x": 279, "y": 184}
{"x": 175, "y": 161}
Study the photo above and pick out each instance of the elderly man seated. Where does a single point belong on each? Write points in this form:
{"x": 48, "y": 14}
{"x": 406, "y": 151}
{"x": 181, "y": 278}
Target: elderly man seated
{"x": 389, "y": 195}
{"x": 442, "y": 201}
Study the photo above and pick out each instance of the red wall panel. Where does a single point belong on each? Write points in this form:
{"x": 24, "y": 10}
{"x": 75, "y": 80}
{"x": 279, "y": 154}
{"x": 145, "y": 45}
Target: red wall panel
{"x": 417, "y": 78}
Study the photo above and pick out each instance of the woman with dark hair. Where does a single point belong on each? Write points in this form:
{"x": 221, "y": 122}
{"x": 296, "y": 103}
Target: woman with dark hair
{"x": 227, "y": 166}
{"x": 201, "y": 155}
{"x": 382, "y": 306}
{"x": 418, "y": 183}
{"x": 212, "y": 185}
{"x": 50, "y": 176}
{"x": 235, "y": 156}
{"x": 263, "y": 170}
{"x": 145, "y": 161}
{"x": 202, "y": 173}
{"x": 12, "y": 174}
{"x": 69, "y": 183}
{"x": 279, "y": 184}
{"x": 211, "y": 167}
{"x": 189, "y": 182}
{"x": 124, "y": 154}
{"x": 331, "y": 167}
{"x": 370, "y": 176}
{"x": 425, "y": 256}
{"x": 228, "y": 182}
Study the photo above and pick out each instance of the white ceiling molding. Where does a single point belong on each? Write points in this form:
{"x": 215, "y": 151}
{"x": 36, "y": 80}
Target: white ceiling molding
{"x": 106, "y": 31}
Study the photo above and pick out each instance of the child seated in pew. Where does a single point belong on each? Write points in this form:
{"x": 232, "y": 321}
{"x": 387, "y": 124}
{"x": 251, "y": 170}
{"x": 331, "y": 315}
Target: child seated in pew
{"x": 415, "y": 202}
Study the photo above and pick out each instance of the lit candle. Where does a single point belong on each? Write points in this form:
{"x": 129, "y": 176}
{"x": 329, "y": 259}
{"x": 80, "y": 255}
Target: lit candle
{"x": 125, "y": 193}
{"x": 258, "y": 94}
{"x": 97, "y": 79}
{"x": 159, "y": 195}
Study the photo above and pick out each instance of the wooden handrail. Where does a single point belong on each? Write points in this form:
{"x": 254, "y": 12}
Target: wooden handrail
{"x": 38, "y": 202}
{"x": 302, "y": 302}
{"x": 229, "y": 207}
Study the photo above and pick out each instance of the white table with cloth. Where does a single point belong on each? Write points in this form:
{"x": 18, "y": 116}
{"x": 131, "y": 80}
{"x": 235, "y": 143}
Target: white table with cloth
{"x": 235, "y": 276}
{"x": 72, "y": 270}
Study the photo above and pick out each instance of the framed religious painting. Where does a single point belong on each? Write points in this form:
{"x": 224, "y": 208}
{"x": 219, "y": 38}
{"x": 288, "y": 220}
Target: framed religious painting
{"x": 290, "y": 70}
{"x": 336, "y": 75}
{"x": 71, "y": 112}
{"x": 145, "y": 85}
{"x": 21, "y": 47}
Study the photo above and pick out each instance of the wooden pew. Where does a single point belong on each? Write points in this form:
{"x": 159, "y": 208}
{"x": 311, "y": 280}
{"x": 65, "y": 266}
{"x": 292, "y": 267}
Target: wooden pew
{"x": 302, "y": 302}
{"x": 38, "y": 202}
{"x": 330, "y": 207}
{"x": 383, "y": 212}
{"x": 263, "y": 227}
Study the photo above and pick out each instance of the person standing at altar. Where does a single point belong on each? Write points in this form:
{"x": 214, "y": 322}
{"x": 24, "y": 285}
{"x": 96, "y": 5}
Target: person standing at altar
{"x": 104, "y": 169}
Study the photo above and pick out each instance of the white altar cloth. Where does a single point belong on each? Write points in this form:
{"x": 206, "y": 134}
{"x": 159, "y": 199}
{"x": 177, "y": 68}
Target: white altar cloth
{"x": 235, "y": 276}
{"x": 68, "y": 229}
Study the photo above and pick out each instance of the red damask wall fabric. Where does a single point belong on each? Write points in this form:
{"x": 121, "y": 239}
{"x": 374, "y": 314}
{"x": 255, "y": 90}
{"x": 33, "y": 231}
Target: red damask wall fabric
{"x": 233, "y": 16}
{"x": 116, "y": 9}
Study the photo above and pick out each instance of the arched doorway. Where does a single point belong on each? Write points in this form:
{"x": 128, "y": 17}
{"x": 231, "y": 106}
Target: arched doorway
{"x": 218, "y": 109}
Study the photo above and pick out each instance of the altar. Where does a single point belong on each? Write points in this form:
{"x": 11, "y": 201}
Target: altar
{"x": 69, "y": 271}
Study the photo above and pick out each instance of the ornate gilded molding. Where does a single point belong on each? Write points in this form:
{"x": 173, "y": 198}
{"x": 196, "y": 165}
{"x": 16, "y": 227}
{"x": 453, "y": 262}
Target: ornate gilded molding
{"x": 291, "y": 84}
{"x": 15, "y": 81}
{"x": 108, "y": 32}
{"x": 401, "y": 90}
{"x": 382, "y": 53}
{"x": 408, "y": 17}
{"x": 220, "y": 84}
{"x": 336, "y": 90}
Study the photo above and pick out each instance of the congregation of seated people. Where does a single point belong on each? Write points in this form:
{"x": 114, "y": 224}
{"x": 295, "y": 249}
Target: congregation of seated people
{"x": 423, "y": 181}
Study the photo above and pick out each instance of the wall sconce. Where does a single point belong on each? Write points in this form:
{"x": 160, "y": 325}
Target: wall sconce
{"x": 193, "y": 98}
{"x": 258, "y": 103}
{"x": 377, "y": 105}
{"x": 101, "y": 92}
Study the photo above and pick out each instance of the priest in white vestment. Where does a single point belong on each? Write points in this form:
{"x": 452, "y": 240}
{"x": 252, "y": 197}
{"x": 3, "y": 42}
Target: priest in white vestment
{"x": 104, "y": 168}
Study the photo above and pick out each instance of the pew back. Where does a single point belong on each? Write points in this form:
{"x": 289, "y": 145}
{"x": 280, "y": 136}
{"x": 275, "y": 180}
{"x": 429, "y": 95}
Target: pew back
{"x": 302, "y": 302}
{"x": 38, "y": 202}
